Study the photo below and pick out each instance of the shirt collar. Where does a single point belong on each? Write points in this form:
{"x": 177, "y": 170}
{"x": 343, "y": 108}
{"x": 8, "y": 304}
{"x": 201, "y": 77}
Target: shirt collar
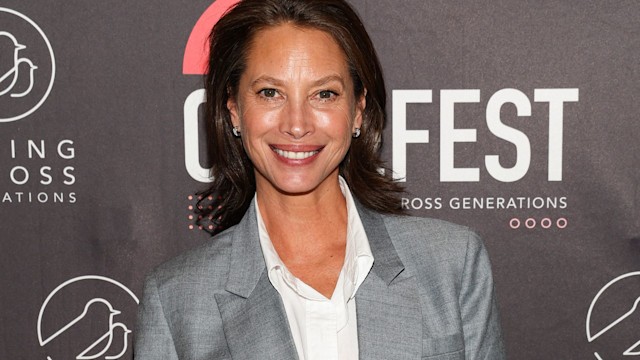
{"x": 358, "y": 258}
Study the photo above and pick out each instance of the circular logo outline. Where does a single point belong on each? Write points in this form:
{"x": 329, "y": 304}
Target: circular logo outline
{"x": 76, "y": 279}
{"x": 590, "y": 337}
{"x": 53, "y": 66}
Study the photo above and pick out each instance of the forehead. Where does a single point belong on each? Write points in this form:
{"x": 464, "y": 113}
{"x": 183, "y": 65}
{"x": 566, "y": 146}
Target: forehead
{"x": 290, "y": 50}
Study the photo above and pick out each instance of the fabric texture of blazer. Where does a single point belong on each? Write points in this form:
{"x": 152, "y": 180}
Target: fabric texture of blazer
{"x": 429, "y": 296}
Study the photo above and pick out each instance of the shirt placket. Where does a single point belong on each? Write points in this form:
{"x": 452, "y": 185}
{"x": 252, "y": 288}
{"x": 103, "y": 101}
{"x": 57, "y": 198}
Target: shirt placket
{"x": 321, "y": 324}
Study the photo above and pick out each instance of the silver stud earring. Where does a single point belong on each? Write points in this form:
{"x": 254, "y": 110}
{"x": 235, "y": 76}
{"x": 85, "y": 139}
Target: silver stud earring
{"x": 356, "y": 133}
{"x": 236, "y": 131}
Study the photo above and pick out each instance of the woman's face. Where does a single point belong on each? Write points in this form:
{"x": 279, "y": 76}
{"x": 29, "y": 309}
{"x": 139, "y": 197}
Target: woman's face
{"x": 295, "y": 109}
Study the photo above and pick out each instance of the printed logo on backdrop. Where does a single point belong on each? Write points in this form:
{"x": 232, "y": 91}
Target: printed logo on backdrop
{"x": 27, "y": 66}
{"x": 88, "y": 312}
{"x": 498, "y": 126}
{"x": 39, "y": 170}
{"x": 614, "y": 318}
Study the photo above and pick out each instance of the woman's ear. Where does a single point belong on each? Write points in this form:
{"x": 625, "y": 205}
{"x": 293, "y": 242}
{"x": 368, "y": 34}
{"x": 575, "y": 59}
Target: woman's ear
{"x": 361, "y": 104}
{"x": 234, "y": 111}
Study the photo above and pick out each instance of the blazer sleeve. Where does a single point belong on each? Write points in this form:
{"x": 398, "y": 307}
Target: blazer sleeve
{"x": 481, "y": 323}
{"x": 153, "y": 338}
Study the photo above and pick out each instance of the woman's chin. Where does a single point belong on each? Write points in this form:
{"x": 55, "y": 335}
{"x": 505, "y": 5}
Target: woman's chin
{"x": 297, "y": 185}
{"x": 297, "y": 188}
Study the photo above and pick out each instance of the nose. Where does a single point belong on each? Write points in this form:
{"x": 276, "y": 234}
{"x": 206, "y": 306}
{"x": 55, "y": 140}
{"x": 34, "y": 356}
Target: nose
{"x": 297, "y": 122}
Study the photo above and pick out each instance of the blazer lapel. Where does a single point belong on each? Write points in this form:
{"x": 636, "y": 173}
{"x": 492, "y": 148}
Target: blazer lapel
{"x": 387, "y": 302}
{"x": 253, "y": 317}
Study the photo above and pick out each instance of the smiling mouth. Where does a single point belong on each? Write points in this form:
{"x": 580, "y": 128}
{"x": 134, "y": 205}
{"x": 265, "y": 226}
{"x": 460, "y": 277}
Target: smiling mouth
{"x": 295, "y": 155}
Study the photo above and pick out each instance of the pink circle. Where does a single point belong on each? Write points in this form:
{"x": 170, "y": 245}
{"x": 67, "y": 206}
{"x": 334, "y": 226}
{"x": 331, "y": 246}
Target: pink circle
{"x": 195, "y": 60}
{"x": 210, "y": 227}
{"x": 564, "y": 223}
{"x": 190, "y": 217}
{"x": 514, "y": 223}
{"x": 530, "y": 223}
{"x": 190, "y": 197}
{"x": 190, "y": 207}
{"x": 190, "y": 227}
{"x": 545, "y": 223}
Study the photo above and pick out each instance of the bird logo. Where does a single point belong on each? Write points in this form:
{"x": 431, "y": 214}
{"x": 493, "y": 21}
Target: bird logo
{"x": 632, "y": 310}
{"x": 9, "y": 79}
{"x": 27, "y": 66}
{"x": 99, "y": 323}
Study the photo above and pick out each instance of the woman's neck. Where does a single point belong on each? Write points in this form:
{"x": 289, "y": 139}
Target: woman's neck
{"x": 308, "y": 221}
{"x": 309, "y": 232}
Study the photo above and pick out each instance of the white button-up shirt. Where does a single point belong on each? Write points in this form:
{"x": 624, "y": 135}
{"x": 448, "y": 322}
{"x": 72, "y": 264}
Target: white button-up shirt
{"x": 323, "y": 329}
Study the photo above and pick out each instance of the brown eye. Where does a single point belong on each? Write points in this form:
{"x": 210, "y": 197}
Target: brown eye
{"x": 268, "y": 92}
{"x": 326, "y": 94}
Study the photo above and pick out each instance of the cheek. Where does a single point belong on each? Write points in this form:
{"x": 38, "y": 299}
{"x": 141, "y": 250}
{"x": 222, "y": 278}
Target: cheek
{"x": 336, "y": 122}
{"x": 255, "y": 122}
{"x": 251, "y": 129}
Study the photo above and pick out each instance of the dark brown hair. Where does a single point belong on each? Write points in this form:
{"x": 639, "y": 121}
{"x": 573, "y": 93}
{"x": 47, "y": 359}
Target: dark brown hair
{"x": 233, "y": 187}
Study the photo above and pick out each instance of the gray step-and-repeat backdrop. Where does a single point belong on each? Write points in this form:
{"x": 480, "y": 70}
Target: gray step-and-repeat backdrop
{"x": 517, "y": 118}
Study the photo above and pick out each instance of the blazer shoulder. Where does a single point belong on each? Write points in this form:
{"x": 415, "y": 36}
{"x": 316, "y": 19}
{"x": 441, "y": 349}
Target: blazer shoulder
{"x": 206, "y": 262}
{"x": 432, "y": 245}
{"x": 429, "y": 230}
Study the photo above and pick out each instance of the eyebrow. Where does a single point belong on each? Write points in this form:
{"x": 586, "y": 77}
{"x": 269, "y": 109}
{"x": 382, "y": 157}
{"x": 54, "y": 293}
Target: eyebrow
{"x": 278, "y": 82}
{"x": 267, "y": 79}
{"x": 328, "y": 79}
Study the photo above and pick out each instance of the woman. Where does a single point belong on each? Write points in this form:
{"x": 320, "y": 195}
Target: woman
{"x": 316, "y": 261}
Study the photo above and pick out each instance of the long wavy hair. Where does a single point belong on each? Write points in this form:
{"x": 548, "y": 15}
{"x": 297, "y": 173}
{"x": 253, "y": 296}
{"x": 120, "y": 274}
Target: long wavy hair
{"x": 224, "y": 203}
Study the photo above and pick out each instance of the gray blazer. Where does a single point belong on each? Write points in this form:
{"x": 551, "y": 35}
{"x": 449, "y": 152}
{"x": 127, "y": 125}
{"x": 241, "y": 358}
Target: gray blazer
{"x": 429, "y": 296}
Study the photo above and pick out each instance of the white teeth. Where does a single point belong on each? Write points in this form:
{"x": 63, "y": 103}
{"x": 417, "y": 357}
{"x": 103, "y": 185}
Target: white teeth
{"x": 295, "y": 155}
